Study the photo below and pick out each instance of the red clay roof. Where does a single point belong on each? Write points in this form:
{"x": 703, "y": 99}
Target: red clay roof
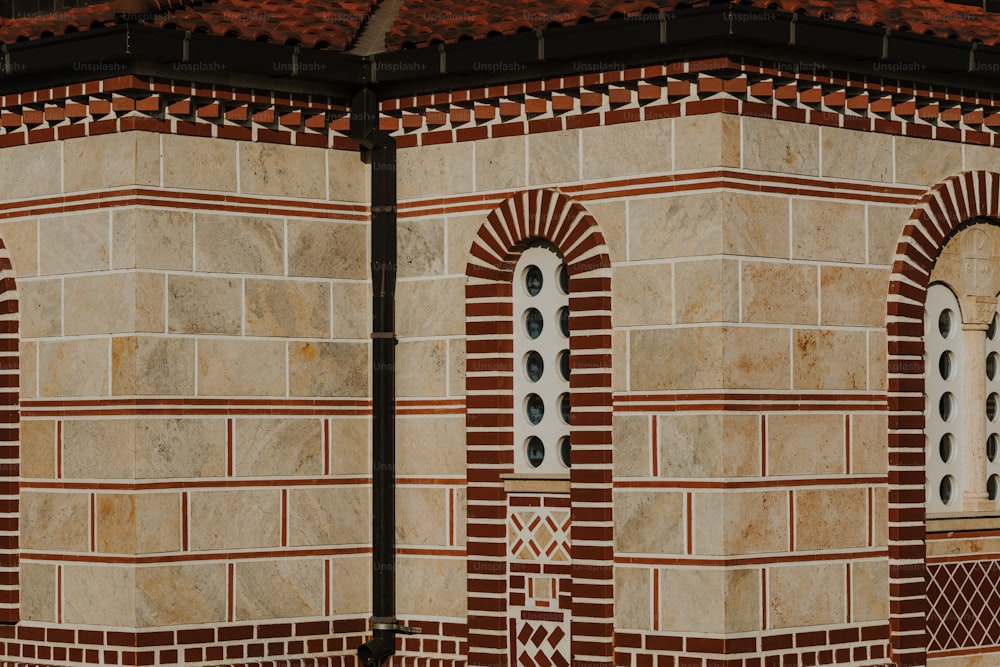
{"x": 334, "y": 24}
{"x": 311, "y": 23}
{"x": 426, "y": 21}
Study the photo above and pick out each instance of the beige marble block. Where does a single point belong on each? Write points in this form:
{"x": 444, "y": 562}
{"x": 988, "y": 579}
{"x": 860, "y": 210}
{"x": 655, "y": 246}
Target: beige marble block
{"x": 780, "y": 293}
{"x": 825, "y": 359}
{"x": 712, "y": 600}
{"x": 130, "y": 523}
{"x": 831, "y": 519}
{"x": 431, "y": 586}
{"x": 877, "y": 370}
{"x": 283, "y": 171}
{"x": 462, "y": 231}
{"x": 870, "y": 590}
{"x": 180, "y": 594}
{"x": 456, "y": 367}
{"x": 429, "y": 445}
{"x": 38, "y": 448}
{"x": 740, "y": 522}
{"x": 212, "y": 513}
{"x": 198, "y": 163}
{"x": 32, "y": 170}
{"x": 828, "y": 231}
{"x": 554, "y": 157}
{"x": 805, "y": 444}
{"x": 426, "y": 171}
{"x": 422, "y": 368}
{"x": 152, "y": 238}
{"x": 348, "y": 177}
{"x": 635, "y": 533}
{"x": 421, "y": 516}
{"x": 500, "y": 163}
{"x": 709, "y": 445}
{"x": 145, "y": 365}
{"x": 327, "y": 249}
{"x": 99, "y": 448}
{"x": 328, "y": 369}
{"x": 755, "y": 358}
{"x": 40, "y": 302}
{"x": 420, "y": 303}
{"x": 239, "y": 244}
{"x": 350, "y": 584}
{"x": 869, "y": 442}
{"x": 633, "y": 450}
{"x": 171, "y": 448}
{"x": 925, "y": 161}
{"x": 421, "y": 249}
{"x": 885, "y": 227}
{"x": 287, "y": 308}
{"x": 20, "y": 238}
{"x": 633, "y": 598}
{"x": 329, "y": 515}
{"x": 707, "y": 291}
{"x": 880, "y": 514}
{"x": 276, "y": 447}
{"x": 708, "y": 223}
{"x": 74, "y": 243}
{"x": 853, "y": 296}
{"x": 352, "y": 305}
{"x": 610, "y": 217}
{"x": 980, "y": 158}
{"x": 111, "y": 160}
{"x": 28, "y": 375}
{"x": 38, "y": 591}
{"x": 204, "y": 305}
{"x": 54, "y": 521}
{"x": 806, "y": 595}
{"x": 626, "y": 149}
{"x": 709, "y": 140}
{"x": 781, "y": 146}
{"x": 275, "y": 589}
{"x": 856, "y": 155}
{"x": 73, "y": 368}
{"x": 101, "y": 595}
{"x": 235, "y": 367}
{"x": 694, "y": 358}
{"x": 100, "y": 304}
{"x": 349, "y": 444}
{"x": 641, "y": 295}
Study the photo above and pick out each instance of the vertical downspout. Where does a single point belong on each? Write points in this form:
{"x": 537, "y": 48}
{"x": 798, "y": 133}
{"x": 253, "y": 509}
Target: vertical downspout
{"x": 379, "y": 149}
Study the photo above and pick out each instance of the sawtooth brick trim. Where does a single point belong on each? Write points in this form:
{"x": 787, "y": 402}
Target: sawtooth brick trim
{"x": 528, "y": 215}
{"x": 941, "y": 212}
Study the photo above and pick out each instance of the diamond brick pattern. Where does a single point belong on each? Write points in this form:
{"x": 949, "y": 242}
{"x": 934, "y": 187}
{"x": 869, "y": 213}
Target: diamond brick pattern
{"x": 964, "y": 605}
{"x": 540, "y": 535}
{"x": 542, "y": 644}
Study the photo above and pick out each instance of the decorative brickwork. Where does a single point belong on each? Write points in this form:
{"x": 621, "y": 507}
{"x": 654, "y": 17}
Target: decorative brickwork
{"x": 938, "y": 215}
{"x": 539, "y": 214}
{"x": 10, "y": 457}
{"x": 964, "y": 601}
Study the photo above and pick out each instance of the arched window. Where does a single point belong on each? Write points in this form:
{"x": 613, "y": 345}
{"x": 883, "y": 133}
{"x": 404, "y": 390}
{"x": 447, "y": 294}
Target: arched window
{"x": 944, "y": 431}
{"x": 541, "y": 353}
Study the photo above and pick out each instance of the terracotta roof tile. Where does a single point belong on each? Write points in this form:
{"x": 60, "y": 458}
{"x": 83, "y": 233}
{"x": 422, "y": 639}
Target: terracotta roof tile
{"x": 422, "y": 22}
{"x": 312, "y": 23}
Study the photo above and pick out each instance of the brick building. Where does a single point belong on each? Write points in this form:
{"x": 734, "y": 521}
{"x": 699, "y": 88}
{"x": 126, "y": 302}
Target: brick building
{"x": 648, "y": 333}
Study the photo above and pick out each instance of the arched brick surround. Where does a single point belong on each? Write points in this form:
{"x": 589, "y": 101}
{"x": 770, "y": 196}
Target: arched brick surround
{"x": 509, "y": 229}
{"x": 10, "y": 457}
{"x": 940, "y": 214}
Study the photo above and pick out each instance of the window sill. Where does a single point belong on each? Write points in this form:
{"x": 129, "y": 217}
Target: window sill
{"x": 958, "y": 522}
{"x": 536, "y": 484}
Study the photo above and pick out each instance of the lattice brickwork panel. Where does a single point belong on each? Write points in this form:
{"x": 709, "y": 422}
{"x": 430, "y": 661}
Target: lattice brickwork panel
{"x": 542, "y": 643}
{"x": 539, "y": 535}
{"x": 964, "y": 603}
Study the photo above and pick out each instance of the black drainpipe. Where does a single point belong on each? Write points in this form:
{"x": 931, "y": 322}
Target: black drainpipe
{"x": 378, "y": 149}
